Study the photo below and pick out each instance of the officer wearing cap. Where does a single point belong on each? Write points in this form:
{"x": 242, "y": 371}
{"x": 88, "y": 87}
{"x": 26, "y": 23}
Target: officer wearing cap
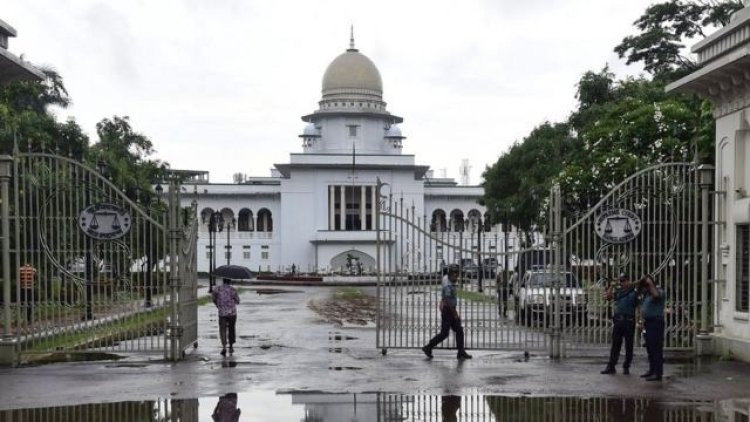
{"x": 449, "y": 317}
{"x": 625, "y": 297}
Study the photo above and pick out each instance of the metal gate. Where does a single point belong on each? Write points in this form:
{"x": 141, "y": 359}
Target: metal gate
{"x": 655, "y": 222}
{"x": 544, "y": 289}
{"x": 85, "y": 268}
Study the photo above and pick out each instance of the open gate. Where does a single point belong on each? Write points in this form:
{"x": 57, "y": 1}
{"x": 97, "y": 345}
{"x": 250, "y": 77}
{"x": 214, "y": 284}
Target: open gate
{"x": 85, "y": 268}
{"x": 545, "y": 290}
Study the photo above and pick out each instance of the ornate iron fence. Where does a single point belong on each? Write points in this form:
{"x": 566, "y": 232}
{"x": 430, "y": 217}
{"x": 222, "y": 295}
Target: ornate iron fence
{"x": 87, "y": 268}
{"x": 545, "y": 290}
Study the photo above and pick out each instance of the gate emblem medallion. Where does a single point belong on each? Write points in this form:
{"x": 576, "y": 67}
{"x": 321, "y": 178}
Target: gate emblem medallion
{"x": 104, "y": 221}
{"x": 617, "y": 225}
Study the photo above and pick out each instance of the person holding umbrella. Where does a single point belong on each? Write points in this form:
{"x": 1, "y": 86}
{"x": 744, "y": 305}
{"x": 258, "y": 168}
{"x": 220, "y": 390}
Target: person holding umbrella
{"x": 226, "y": 299}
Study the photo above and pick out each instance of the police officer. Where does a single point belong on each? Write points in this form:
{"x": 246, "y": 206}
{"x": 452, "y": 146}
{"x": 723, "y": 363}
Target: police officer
{"x": 653, "y": 321}
{"x": 449, "y": 317}
{"x": 625, "y": 297}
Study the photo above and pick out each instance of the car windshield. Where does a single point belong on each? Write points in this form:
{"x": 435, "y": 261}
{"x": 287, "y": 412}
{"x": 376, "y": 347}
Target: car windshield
{"x": 548, "y": 280}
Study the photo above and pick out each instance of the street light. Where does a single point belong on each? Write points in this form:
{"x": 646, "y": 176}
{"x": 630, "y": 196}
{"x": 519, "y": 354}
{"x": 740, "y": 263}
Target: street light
{"x": 215, "y": 224}
{"x": 230, "y": 225}
{"x": 479, "y": 253}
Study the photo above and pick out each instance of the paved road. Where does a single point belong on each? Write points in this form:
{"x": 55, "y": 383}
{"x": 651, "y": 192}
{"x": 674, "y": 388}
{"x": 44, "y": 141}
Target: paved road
{"x": 284, "y": 346}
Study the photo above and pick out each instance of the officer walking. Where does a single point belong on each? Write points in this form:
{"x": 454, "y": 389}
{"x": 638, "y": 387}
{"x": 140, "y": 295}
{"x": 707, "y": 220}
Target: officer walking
{"x": 653, "y": 321}
{"x": 625, "y": 297}
{"x": 449, "y": 317}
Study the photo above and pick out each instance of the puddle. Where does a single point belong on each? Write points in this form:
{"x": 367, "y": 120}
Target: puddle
{"x": 272, "y": 291}
{"x": 318, "y": 406}
{"x": 36, "y": 360}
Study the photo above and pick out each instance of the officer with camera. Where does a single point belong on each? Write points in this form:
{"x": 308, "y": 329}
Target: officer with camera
{"x": 652, "y": 312}
{"x": 625, "y": 299}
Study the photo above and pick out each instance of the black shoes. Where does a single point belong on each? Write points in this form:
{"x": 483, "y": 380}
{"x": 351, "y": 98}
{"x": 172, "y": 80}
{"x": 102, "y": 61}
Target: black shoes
{"x": 626, "y": 371}
{"x": 646, "y": 375}
{"x": 427, "y": 351}
{"x": 463, "y": 355}
{"x": 653, "y": 377}
{"x": 231, "y": 349}
{"x": 223, "y": 352}
{"x": 608, "y": 371}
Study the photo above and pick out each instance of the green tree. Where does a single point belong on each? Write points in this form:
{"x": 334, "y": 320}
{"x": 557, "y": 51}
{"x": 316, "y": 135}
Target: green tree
{"x": 25, "y": 115}
{"x": 664, "y": 26}
{"x": 641, "y": 125}
{"x": 517, "y": 185}
{"x": 126, "y": 155}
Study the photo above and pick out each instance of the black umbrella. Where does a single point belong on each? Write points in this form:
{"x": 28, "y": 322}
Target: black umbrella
{"x": 234, "y": 272}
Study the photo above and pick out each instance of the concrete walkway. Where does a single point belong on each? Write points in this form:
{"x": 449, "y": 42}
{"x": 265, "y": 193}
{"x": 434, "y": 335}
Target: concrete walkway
{"x": 284, "y": 346}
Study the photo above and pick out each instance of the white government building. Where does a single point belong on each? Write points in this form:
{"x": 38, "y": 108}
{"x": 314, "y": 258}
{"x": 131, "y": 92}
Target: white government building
{"x": 724, "y": 78}
{"x": 317, "y": 209}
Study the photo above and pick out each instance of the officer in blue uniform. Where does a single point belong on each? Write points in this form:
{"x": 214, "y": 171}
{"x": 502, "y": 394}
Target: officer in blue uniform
{"x": 625, "y": 299}
{"x": 450, "y": 320}
{"x": 652, "y": 312}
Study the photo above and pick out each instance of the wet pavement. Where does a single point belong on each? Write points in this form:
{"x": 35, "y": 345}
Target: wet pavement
{"x": 298, "y": 366}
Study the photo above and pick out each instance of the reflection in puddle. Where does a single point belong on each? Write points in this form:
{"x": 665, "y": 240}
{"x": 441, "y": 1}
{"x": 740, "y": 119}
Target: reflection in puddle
{"x": 376, "y": 407}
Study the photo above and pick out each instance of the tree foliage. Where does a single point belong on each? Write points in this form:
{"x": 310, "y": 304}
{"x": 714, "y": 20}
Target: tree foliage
{"x": 126, "y": 155}
{"x": 518, "y": 183}
{"x": 663, "y": 27}
{"x": 618, "y": 127}
{"x": 27, "y": 119}
{"x": 26, "y": 116}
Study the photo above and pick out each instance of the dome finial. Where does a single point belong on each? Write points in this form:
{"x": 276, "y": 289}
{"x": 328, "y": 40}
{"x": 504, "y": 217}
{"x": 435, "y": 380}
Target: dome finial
{"x": 351, "y": 38}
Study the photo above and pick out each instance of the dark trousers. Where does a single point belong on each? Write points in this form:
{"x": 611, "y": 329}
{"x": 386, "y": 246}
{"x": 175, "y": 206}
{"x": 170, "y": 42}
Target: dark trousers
{"x": 623, "y": 328}
{"x": 27, "y": 301}
{"x": 448, "y": 322}
{"x": 227, "y": 323}
{"x": 655, "y": 345}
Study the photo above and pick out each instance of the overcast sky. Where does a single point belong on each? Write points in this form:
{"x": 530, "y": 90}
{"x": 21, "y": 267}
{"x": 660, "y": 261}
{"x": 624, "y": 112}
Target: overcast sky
{"x": 220, "y": 85}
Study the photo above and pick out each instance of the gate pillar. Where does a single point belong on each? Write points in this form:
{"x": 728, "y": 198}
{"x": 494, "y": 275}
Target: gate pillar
{"x": 8, "y": 345}
{"x": 703, "y": 344}
{"x": 555, "y": 224}
{"x": 175, "y": 278}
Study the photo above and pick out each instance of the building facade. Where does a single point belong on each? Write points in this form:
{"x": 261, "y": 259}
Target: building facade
{"x": 316, "y": 211}
{"x": 724, "y": 78}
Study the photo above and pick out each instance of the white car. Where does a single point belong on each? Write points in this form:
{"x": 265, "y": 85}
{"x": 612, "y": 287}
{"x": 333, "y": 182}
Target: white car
{"x": 534, "y": 296}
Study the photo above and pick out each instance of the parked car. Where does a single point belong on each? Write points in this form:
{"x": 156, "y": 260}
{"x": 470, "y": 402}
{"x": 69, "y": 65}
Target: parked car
{"x": 489, "y": 268}
{"x": 469, "y": 270}
{"x": 534, "y": 296}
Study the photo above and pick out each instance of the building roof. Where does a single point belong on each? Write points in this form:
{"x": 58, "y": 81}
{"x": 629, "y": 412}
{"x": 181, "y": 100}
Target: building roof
{"x": 13, "y": 68}
{"x": 352, "y": 73}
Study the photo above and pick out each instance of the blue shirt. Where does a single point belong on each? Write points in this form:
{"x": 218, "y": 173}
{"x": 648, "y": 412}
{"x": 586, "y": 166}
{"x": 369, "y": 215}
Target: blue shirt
{"x": 625, "y": 301}
{"x": 653, "y": 307}
{"x": 449, "y": 292}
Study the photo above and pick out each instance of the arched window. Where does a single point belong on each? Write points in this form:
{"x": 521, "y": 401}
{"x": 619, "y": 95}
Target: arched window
{"x": 487, "y": 222}
{"x": 438, "y": 223}
{"x": 265, "y": 221}
{"x": 206, "y": 216}
{"x": 457, "y": 221}
{"x": 245, "y": 223}
{"x": 474, "y": 218}
{"x": 228, "y": 215}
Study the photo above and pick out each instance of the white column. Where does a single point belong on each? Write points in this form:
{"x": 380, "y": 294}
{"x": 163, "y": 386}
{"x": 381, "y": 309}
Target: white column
{"x": 331, "y": 207}
{"x": 362, "y": 208}
{"x": 342, "y": 217}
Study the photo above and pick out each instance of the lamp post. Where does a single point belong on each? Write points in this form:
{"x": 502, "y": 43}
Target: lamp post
{"x": 230, "y": 224}
{"x": 480, "y": 229}
{"x": 215, "y": 224}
